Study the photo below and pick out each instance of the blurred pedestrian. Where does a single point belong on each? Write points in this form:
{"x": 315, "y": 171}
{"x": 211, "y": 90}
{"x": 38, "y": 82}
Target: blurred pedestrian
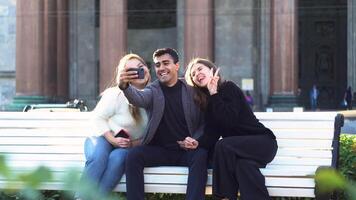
{"x": 249, "y": 99}
{"x": 313, "y": 94}
{"x": 348, "y": 98}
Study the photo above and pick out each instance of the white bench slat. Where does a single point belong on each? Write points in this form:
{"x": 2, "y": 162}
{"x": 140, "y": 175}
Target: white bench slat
{"x": 301, "y": 152}
{"x": 303, "y": 133}
{"x": 296, "y": 116}
{"x": 58, "y": 141}
{"x": 290, "y": 182}
{"x": 42, "y": 124}
{"x": 298, "y": 124}
{"x": 47, "y": 157}
{"x": 291, "y": 192}
{"x": 46, "y": 132}
{"x": 43, "y": 149}
{"x": 56, "y": 166}
{"x": 46, "y": 115}
{"x": 301, "y": 161}
{"x": 311, "y": 144}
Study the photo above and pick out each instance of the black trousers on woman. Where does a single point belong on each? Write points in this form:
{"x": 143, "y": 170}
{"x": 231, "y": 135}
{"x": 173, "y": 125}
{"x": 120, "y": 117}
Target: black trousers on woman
{"x": 151, "y": 156}
{"x": 236, "y": 164}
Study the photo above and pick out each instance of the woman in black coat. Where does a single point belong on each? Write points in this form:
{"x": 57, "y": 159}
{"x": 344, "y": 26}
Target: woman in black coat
{"x": 246, "y": 144}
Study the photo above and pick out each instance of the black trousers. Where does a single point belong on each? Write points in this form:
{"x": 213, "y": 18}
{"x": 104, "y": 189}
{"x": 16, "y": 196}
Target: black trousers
{"x": 151, "y": 156}
{"x": 236, "y": 164}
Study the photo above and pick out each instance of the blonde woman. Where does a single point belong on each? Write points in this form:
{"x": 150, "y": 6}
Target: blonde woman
{"x": 118, "y": 126}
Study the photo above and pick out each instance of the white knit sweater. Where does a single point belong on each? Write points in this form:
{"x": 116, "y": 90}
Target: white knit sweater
{"x": 112, "y": 113}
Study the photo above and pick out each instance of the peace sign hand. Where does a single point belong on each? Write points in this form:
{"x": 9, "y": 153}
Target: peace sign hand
{"x": 213, "y": 82}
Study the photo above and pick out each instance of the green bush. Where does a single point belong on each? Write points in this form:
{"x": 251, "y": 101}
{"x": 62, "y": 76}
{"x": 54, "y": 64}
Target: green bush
{"x": 347, "y": 161}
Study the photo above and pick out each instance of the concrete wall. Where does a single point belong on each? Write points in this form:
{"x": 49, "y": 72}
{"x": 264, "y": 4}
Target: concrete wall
{"x": 235, "y": 50}
{"x": 7, "y": 51}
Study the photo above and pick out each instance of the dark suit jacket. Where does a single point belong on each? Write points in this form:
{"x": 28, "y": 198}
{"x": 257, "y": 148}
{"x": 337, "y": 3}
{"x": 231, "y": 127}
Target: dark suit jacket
{"x": 152, "y": 99}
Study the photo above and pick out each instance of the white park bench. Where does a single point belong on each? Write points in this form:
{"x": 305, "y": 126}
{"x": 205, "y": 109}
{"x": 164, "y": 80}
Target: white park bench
{"x": 306, "y": 140}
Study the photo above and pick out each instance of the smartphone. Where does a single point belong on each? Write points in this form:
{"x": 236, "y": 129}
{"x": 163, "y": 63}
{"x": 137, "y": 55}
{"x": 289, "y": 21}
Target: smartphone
{"x": 140, "y": 72}
{"x": 122, "y": 133}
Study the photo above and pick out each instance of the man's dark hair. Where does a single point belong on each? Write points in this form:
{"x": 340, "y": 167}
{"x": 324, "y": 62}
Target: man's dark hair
{"x": 172, "y": 52}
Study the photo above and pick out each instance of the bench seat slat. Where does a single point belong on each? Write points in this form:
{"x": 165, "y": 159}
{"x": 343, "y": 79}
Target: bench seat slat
{"x": 77, "y": 132}
{"x": 277, "y": 161}
{"x": 282, "y": 143}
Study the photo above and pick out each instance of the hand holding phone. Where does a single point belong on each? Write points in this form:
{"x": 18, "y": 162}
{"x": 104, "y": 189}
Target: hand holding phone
{"x": 140, "y": 72}
{"x": 122, "y": 133}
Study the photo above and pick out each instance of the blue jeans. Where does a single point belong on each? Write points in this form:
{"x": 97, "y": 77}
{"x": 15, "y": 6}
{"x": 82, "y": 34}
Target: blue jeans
{"x": 105, "y": 164}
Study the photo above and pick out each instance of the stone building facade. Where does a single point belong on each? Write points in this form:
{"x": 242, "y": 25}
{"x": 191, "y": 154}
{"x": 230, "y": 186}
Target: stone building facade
{"x": 275, "y": 48}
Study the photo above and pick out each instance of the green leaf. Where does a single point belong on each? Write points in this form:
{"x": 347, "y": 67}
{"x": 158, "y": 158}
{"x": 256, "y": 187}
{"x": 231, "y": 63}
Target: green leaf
{"x": 351, "y": 191}
{"x": 329, "y": 180}
{"x": 4, "y": 169}
{"x": 36, "y": 178}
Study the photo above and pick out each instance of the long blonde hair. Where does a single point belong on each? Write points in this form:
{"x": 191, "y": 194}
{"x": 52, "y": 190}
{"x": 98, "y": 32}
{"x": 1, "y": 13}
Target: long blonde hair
{"x": 134, "y": 111}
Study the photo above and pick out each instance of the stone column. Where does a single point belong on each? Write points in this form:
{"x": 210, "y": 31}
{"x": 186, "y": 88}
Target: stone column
{"x": 351, "y": 47}
{"x": 198, "y": 29}
{"x": 113, "y": 34}
{"x": 62, "y": 50}
{"x": 284, "y": 47}
{"x": 83, "y": 51}
{"x": 29, "y": 54}
{"x": 29, "y": 47}
{"x": 180, "y": 33}
{"x": 263, "y": 65}
{"x": 50, "y": 49}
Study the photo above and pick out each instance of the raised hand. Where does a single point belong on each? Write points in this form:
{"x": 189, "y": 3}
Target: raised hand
{"x": 213, "y": 82}
{"x": 125, "y": 77}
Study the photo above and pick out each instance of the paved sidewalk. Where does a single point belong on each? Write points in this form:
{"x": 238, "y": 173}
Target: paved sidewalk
{"x": 349, "y": 126}
{"x": 350, "y": 122}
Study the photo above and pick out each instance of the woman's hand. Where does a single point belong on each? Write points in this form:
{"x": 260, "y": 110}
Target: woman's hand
{"x": 188, "y": 143}
{"x": 117, "y": 141}
{"x": 122, "y": 142}
{"x": 213, "y": 82}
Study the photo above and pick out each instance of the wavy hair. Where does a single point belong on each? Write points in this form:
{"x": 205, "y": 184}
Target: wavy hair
{"x": 134, "y": 111}
{"x": 201, "y": 94}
